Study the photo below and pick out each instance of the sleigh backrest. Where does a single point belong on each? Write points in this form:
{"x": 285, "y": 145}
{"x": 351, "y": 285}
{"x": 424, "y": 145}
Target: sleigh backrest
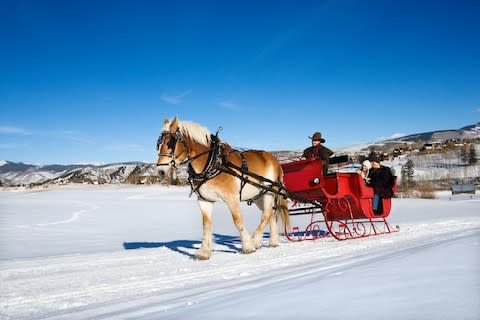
{"x": 302, "y": 175}
{"x": 305, "y": 177}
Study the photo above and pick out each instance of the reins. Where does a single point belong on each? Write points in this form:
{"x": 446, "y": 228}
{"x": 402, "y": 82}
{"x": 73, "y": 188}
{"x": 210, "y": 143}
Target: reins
{"x": 280, "y": 191}
{"x": 217, "y": 163}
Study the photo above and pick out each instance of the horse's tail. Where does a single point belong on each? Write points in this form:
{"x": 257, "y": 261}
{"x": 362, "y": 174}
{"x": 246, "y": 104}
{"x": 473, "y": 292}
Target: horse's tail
{"x": 282, "y": 211}
{"x": 281, "y": 203}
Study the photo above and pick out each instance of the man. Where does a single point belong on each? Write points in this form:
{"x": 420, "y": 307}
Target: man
{"x": 317, "y": 150}
{"x": 381, "y": 179}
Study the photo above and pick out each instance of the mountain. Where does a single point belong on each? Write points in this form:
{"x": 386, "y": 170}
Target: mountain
{"x": 469, "y": 133}
{"x": 18, "y": 173}
{"x": 465, "y": 133}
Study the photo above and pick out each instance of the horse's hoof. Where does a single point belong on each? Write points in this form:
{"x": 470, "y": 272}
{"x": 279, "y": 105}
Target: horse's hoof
{"x": 248, "y": 250}
{"x": 203, "y": 255}
{"x": 273, "y": 245}
{"x": 258, "y": 244}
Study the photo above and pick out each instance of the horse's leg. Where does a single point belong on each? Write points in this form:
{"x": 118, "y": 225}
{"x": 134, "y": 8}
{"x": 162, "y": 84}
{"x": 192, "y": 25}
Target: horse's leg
{"x": 205, "y": 250}
{"x": 274, "y": 238}
{"x": 247, "y": 244}
{"x": 266, "y": 204}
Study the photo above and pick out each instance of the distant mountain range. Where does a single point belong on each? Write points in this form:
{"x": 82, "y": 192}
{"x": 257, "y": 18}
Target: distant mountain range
{"x": 18, "y": 173}
{"x": 465, "y": 133}
{"x": 468, "y": 133}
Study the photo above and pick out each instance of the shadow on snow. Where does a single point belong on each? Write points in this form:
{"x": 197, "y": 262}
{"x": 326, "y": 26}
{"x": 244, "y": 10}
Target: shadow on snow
{"x": 185, "y": 247}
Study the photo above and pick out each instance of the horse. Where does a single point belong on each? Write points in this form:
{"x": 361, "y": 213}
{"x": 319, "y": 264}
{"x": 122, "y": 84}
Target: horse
{"x": 188, "y": 142}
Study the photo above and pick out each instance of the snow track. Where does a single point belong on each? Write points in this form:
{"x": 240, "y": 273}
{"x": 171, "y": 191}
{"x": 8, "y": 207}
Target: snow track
{"x": 161, "y": 281}
{"x": 164, "y": 282}
{"x": 74, "y": 217}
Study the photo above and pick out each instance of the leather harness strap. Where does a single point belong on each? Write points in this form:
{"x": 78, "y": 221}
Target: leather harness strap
{"x": 217, "y": 163}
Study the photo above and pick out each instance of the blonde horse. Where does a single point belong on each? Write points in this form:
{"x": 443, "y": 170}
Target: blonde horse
{"x": 184, "y": 141}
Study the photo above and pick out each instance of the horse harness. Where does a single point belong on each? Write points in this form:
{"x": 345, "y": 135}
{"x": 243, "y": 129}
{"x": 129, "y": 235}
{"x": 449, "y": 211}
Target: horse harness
{"x": 216, "y": 157}
{"x": 217, "y": 163}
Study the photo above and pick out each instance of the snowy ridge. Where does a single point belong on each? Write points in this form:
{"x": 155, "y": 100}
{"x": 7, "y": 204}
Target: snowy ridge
{"x": 471, "y": 132}
{"x": 468, "y": 132}
{"x": 24, "y": 174}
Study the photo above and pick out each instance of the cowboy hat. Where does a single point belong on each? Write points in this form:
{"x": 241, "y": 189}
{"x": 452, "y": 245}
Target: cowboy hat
{"x": 317, "y": 136}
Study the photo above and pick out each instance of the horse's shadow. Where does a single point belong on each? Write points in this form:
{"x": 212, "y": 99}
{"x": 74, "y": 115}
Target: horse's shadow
{"x": 185, "y": 247}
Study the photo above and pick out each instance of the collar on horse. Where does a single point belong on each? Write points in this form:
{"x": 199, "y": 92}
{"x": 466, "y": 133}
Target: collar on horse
{"x": 215, "y": 163}
{"x": 218, "y": 163}
{"x": 216, "y": 158}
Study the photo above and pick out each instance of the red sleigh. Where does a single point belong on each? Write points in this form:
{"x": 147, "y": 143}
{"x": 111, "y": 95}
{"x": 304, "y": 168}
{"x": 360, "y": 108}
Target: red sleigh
{"x": 336, "y": 205}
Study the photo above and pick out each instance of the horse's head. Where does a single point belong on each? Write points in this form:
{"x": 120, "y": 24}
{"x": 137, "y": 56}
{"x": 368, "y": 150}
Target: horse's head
{"x": 171, "y": 146}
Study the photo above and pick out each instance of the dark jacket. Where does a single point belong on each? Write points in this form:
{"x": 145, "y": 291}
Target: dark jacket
{"x": 318, "y": 151}
{"x": 382, "y": 181}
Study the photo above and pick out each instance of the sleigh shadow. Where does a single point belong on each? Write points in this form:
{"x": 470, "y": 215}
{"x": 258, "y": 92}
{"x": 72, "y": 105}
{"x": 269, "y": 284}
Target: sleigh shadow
{"x": 185, "y": 247}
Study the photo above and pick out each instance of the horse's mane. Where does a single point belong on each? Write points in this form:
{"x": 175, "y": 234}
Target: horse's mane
{"x": 195, "y": 132}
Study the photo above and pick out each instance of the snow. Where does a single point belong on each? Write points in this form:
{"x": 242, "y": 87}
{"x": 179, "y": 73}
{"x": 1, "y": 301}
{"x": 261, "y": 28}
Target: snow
{"x": 25, "y": 174}
{"x": 29, "y": 177}
{"x": 63, "y": 255}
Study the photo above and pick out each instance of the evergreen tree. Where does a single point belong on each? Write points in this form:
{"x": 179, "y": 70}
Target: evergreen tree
{"x": 407, "y": 174}
{"x": 464, "y": 154}
{"x": 472, "y": 155}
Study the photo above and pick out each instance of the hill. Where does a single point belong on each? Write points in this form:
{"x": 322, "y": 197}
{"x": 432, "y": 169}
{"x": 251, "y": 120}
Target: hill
{"x": 445, "y": 164}
{"x": 469, "y": 133}
{"x": 18, "y": 173}
{"x": 465, "y": 133}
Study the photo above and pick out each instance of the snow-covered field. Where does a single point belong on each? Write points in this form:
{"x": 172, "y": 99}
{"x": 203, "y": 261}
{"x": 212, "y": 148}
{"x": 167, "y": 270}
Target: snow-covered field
{"x": 123, "y": 252}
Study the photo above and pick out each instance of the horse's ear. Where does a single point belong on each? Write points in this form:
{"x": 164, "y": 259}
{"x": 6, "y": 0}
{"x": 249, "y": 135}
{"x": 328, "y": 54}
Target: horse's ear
{"x": 174, "y": 125}
{"x": 165, "y": 120}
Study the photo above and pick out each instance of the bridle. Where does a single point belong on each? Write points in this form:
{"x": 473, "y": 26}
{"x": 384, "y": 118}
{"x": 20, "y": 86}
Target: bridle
{"x": 172, "y": 144}
{"x": 216, "y": 163}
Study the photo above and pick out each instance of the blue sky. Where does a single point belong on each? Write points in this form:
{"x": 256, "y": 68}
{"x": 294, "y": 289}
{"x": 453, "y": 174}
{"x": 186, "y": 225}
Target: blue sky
{"x": 91, "y": 81}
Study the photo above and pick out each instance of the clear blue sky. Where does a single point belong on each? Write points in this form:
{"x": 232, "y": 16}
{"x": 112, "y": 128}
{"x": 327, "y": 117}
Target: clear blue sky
{"x": 91, "y": 81}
